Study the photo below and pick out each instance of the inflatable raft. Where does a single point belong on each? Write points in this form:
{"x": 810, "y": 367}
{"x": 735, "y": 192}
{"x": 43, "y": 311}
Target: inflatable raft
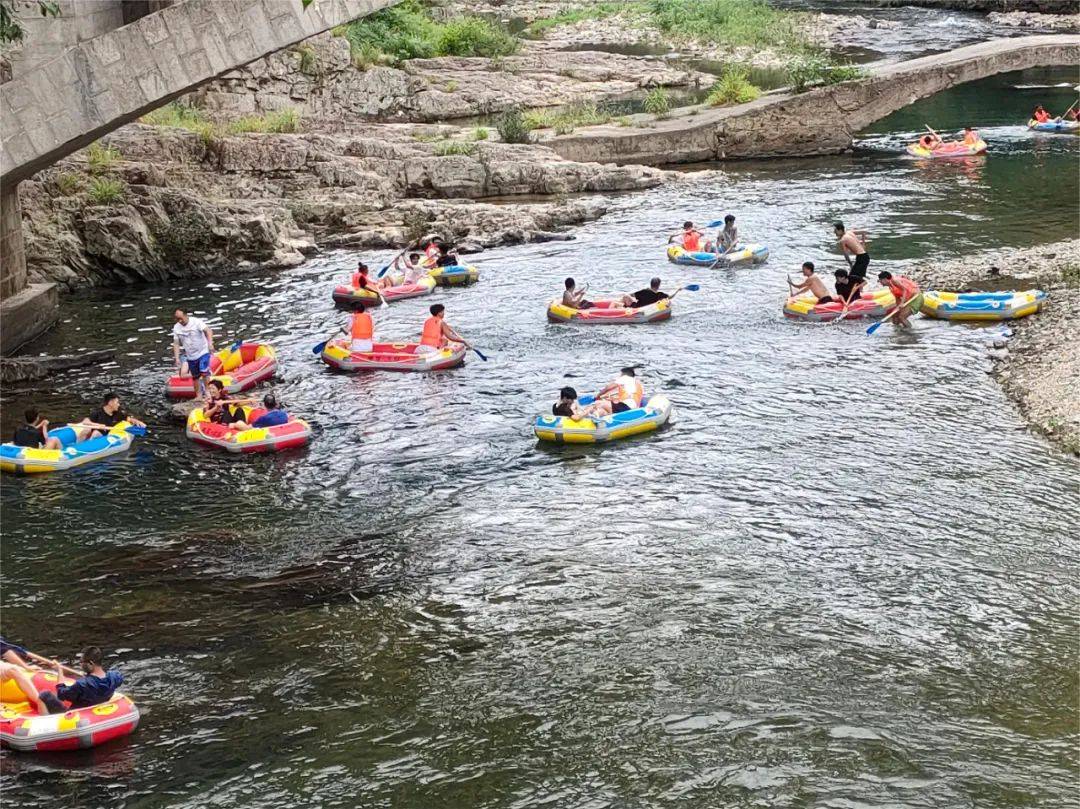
{"x": 391, "y": 357}
{"x": 745, "y": 254}
{"x": 953, "y": 148}
{"x": 561, "y": 430}
{"x": 982, "y": 305}
{"x": 609, "y": 312}
{"x": 456, "y": 276}
{"x": 30, "y": 461}
{"x": 239, "y": 370}
{"x": 294, "y": 433}
{"x": 23, "y": 728}
{"x": 1066, "y": 127}
{"x": 348, "y": 296}
{"x": 873, "y": 306}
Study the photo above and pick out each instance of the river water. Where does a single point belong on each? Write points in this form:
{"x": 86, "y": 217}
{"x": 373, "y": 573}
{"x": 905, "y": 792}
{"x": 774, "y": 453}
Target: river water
{"x": 845, "y": 576}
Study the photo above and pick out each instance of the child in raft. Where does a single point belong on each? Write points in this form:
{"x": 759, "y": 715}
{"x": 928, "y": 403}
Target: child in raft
{"x": 34, "y": 432}
{"x": 574, "y": 296}
{"x": 412, "y": 268}
{"x": 362, "y": 280}
{"x": 971, "y": 137}
{"x": 812, "y": 283}
{"x": 691, "y": 239}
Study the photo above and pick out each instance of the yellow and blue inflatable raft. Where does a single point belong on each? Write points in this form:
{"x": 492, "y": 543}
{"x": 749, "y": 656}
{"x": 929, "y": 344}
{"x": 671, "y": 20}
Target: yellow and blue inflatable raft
{"x": 562, "y": 430}
{"x": 986, "y": 306}
{"x": 457, "y": 276}
{"x": 31, "y": 460}
{"x": 742, "y": 254}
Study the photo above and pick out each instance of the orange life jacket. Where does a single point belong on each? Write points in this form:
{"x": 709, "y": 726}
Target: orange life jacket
{"x": 357, "y": 282}
{"x": 432, "y": 334}
{"x": 971, "y": 138}
{"x": 632, "y": 394}
{"x": 902, "y": 288}
{"x": 691, "y": 242}
{"x": 362, "y": 326}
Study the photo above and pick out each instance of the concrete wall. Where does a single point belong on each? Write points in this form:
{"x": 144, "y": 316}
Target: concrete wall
{"x": 821, "y": 121}
{"x": 106, "y": 82}
{"x": 45, "y": 38}
{"x": 13, "y": 268}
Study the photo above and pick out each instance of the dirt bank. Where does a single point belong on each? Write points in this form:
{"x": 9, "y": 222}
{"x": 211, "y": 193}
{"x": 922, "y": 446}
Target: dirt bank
{"x": 1039, "y": 365}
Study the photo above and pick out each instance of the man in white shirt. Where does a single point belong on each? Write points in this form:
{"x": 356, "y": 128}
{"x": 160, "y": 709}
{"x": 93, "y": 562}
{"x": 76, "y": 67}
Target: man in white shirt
{"x": 197, "y": 341}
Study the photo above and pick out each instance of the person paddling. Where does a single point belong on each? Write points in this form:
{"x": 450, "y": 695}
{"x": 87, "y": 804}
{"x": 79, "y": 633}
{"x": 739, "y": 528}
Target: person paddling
{"x": 34, "y": 432}
{"x": 812, "y": 283}
{"x": 646, "y": 297}
{"x": 930, "y": 141}
{"x": 728, "y": 238}
{"x": 906, "y": 293}
{"x": 848, "y": 288}
{"x": 96, "y": 685}
{"x": 853, "y": 243}
{"x": 574, "y": 296}
{"x": 690, "y": 238}
{"x": 1040, "y": 115}
{"x": 437, "y": 333}
{"x": 361, "y": 280}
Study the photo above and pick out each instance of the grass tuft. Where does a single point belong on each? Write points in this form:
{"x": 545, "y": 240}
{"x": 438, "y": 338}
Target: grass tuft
{"x": 657, "y": 102}
{"x": 446, "y": 148}
{"x": 512, "y": 127}
{"x": 734, "y": 87}
{"x": 808, "y": 71}
{"x": 105, "y": 190}
{"x": 280, "y": 121}
{"x": 571, "y": 16}
{"x": 101, "y": 159}
{"x": 728, "y": 22}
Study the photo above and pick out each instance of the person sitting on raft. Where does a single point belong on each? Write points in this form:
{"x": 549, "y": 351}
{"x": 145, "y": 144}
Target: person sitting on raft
{"x": 219, "y": 409}
{"x": 848, "y": 287}
{"x": 361, "y": 280}
{"x": 1073, "y": 114}
{"x": 446, "y": 257}
{"x": 929, "y": 141}
{"x": 437, "y": 333}
{"x": 569, "y": 407}
{"x": 274, "y": 416}
{"x": 105, "y": 418}
{"x": 645, "y": 297}
{"x": 812, "y": 283}
{"x": 35, "y": 432}
{"x": 904, "y": 290}
{"x": 574, "y": 296}
{"x": 361, "y": 330}
{"x": 45, "y": 702}
{"x": 1040, "y": 115}
{"x": 95, "y": 686}
{"x": 624, "y": 393}
{"x": 971, "y": 137}
{"x": 728, "y": 238}
{"x": 411, "y": 267}
{"x": 691, "y": 239}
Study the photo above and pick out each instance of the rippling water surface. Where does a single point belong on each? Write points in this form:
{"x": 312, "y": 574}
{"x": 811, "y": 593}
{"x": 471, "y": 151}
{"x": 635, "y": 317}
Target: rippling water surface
{"x": 845, "y": 576}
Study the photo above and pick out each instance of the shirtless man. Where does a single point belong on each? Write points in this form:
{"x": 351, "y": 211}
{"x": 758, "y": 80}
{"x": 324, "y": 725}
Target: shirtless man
{"x": 813, "y": 283}
{"x": 853, "y": 243}
{"x": 574, "y": 296}
{"x": 728, "y": 238}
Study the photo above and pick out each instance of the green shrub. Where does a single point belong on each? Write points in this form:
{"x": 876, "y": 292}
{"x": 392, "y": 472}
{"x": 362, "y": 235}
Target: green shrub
{"x": 183, "y": 117}
{"x": 407, "y": 31}
{"x": 480, "y": 133}
{"x": 733, "y": 87}
{"x": 474, "y": 36}
{"x": 105, "y": 190}
{"x": 68, "y": 183}
{"x": 451, "y": 86}
{"x": 581, "y": 112}
{"x": 816, "y": 69}
{"x": 280, "y": 121}
{"x": 657, "y": 102}
{"x": 512, "y": 128}
{"x": 101, "y": 159}
{"x": 452, "y": 147}
{"x": 594, "y": 11}
{"x": 728, "y": 22}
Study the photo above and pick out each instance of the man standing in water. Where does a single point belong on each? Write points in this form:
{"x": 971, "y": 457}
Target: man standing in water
{"x": 197, "y": 341}
{"x": 853, "y": 243}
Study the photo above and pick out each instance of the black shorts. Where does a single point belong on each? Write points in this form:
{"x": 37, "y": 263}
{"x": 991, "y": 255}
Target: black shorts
{"x": 862, "y": 262}
{"x": 586, "y": 305}
{"x": 826, "y": 299}
{"x": 620, "y": 407}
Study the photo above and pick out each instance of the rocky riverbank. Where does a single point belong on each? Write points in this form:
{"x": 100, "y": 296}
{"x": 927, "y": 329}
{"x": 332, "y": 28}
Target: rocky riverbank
{"x": 986, "y": 6}
{"x": 1039, "y": 365}
{"x": 185, "y": 205}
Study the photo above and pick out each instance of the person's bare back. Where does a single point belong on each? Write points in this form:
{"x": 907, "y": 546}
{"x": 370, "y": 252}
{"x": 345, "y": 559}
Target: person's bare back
{"x": 851, "y": 244}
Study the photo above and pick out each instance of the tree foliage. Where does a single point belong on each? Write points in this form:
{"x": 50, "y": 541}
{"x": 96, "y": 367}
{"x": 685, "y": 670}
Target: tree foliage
{"x": 11, "y": 29}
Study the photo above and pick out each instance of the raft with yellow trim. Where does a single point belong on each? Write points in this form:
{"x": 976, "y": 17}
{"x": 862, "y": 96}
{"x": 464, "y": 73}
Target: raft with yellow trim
{"x": 952, "y": 148}
{"x": 609, "y": 312}
{"x": 31, "y": 460}
{"x": 562, "y": 430}
{"x": 239, "y": 370}
{"x": 23, "y": 728}
{"x": 1059, "y": 126}
{"x": 872, "y": 306}
{"x": 294, "y": 433}
{"x": 456, "y": 276}
{"x": 391, "y": 357}
{"x": 985, "y": 306}
{"x": 348, "y": 296}
{"x": 743, "y": 254}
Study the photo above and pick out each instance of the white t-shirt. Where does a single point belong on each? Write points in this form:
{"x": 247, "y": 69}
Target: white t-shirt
{"x": 191, "y": 337}
{"x": 629, "y": 387}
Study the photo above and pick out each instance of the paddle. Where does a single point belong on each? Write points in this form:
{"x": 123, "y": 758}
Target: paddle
{"x": 688, "y": 288}
{"x": 873, "y": 328}
{"x": 478, "y": 353}
{"x": 40, "y": 659}
{"x": 1062, "y": 116}
{"x": 318, "y": 349}
{"x": 133, "y": 429}
{"x": 386, "y": 269}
